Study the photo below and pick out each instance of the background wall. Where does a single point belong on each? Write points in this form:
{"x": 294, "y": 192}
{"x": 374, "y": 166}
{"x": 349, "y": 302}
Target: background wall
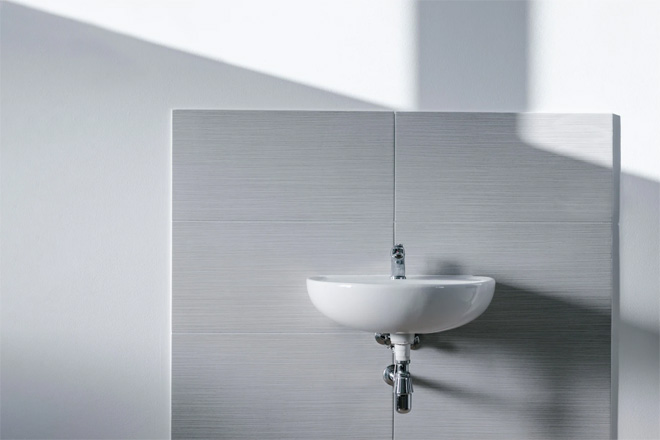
{"x": 86, "y": 215}
{"x": 85, "y": 117}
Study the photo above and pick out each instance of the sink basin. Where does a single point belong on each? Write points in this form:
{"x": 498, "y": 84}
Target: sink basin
{"x": 417, "y": 304}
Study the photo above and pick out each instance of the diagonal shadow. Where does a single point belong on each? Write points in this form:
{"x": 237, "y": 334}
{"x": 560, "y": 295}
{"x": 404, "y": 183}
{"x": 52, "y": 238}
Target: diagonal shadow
{"x": 559, "y": 339}
{"x": 524, "y": 323}
{"x": 103, "y": 92}
{"x": 86, "y": 206}
{"x": 474, "y": 56}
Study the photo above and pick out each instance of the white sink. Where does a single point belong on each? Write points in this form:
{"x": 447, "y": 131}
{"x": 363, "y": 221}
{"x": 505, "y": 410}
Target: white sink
{"x": 397, "y": 310}
{"x": 417, "y": 304}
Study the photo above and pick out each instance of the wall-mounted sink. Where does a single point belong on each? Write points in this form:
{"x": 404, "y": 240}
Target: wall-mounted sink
{"x": 417, "y": 304}
{"x": 398, "y": 308}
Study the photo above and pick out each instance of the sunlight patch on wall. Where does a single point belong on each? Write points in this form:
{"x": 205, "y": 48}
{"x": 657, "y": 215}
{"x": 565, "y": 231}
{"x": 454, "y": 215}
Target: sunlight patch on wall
{"x": 603, "y": 58}
{"x": 538, "y": 133}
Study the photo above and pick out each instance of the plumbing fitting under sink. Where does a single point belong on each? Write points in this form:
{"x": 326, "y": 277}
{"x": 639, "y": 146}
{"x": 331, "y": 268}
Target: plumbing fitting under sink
{"x": 398, "y": 309}
{"x": 398, "y": 375}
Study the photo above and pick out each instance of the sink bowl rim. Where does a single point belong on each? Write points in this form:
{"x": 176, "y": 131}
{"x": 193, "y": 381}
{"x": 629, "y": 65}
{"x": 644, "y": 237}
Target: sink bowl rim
{"x": 413, "y": 280}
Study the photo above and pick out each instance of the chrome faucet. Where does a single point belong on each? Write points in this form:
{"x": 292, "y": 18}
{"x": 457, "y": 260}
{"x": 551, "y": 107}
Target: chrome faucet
{"x": 398, "y": 375}
{"x": 398, "y": 262}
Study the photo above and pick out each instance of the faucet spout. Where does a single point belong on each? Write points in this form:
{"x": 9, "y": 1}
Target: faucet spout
{"x": 398, "y": 262}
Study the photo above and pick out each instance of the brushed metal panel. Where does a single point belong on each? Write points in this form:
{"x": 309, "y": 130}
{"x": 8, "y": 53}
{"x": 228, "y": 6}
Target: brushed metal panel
{"x": 282, "y": 165}
{"x": 280, "y": 386}
{"x": 504, "y": 167}
{"x": 250, "y": 276}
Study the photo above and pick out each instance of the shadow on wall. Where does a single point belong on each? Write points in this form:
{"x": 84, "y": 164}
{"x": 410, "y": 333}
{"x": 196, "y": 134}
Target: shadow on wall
{"x": 86, "y": 218}
{"x": 76, "y": 97}
{"x": 513, "y": 323}
{"x": 638, "y": 335}
{"x": 473, "y": 56}
{"x": 526, "y": 324}
{"x": 537, "y": 363}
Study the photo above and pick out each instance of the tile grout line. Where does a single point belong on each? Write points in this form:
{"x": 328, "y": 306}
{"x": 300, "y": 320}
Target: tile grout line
{"x": 339, "y": 222}
{"x": 394, "y": 181}
{"x": 393, "y": 403}
{"x": 267, "y": 333}
{"x": 346, "y": 222}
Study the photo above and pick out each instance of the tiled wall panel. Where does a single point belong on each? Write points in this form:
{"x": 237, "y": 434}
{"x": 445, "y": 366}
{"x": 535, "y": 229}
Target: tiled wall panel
{"x": 261, "y": 201}
{"x": 279, "y": 386}
{"x": 286, "y": 165}
{"x": 536, "y": 364}
{"x": 517, "y": 379}
{"x": 529, "y": 200}
{"x": 494, "y": 167}
{"x": 264, "y": 199}
{"x": 572, "y": 261}
{"x": 250, "y": 276}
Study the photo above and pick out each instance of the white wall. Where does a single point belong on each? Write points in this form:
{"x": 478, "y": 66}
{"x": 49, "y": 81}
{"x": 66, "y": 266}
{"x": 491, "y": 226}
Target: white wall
{"x": 85, "y": 170}
{"x": 359, "y": 48}
{"x": 86, "y": 214}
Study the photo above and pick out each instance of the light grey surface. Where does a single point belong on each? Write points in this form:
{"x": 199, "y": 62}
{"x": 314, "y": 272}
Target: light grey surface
{"x": 521, "y": 377}
{"x": 572, "y": 261}
{"x": 536, "y": 365}
{"x": 639, "y": 324}
{"x": 280, "y": 386}
{"x": 250, "y": 276}
{"x": 233, "y": 165}
{"x": 262, "y": 200}
{"x": 104, "y": 210}
{"x": 479, "y": 167}
{"x": 86, "y": 219}
{"x": 472, "y": 55}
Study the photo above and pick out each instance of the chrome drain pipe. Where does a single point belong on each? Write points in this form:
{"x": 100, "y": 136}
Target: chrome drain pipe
{"x": 399, "y": 377}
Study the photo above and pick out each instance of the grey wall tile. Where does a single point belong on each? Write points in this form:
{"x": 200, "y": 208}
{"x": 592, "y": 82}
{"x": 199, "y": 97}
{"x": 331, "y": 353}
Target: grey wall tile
{"x": 285, "y": 165}
{"x": 536, "y": 364}
{"x": 572, "y": 261}
{"x": 526, "y": 199}
{"x": 504, "y": 167}
{"x": 250, "y": 276}
{"x": 278, "y": 386}
{"x": 518, "y": 380}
